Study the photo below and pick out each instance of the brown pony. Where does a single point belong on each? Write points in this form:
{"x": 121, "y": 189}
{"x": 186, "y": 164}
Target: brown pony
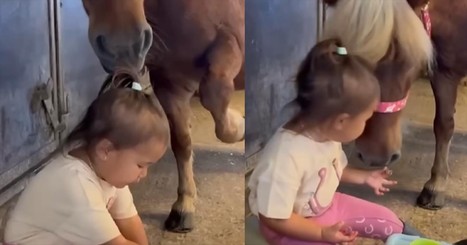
{"x": 390, "y": 34}
{"x": 191, "y": 45}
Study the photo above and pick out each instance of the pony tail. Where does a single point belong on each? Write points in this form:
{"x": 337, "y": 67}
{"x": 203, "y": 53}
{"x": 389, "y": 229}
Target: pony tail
{"x": 327, "y": 54}
{"x": 327, "y": 58}
{"x": 122, "y": 78}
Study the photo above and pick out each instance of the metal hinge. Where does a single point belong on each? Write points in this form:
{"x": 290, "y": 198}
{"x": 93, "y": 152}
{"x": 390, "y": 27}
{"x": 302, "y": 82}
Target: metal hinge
{"x": 43, "y": 96}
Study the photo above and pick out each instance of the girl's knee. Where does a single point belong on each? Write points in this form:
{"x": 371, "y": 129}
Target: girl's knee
{"x": 388, "y": 214}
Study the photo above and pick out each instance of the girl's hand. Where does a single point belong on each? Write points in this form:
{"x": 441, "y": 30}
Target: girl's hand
{"x": 378, "y": 180}
{"x": 337, "y": 234}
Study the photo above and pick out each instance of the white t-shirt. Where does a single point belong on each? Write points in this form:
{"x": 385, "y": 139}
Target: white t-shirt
{"x": 66, "y": 203}
{"x": 295, "y": 174}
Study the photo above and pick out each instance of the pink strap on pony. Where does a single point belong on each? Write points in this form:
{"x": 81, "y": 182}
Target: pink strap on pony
{"x": 391, "y": 107}
{"x": 426, "y": 19}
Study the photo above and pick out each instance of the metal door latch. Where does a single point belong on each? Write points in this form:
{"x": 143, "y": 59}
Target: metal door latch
{"x": 43, "y": 96}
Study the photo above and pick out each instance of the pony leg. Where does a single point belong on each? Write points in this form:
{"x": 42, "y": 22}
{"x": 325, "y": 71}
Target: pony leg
{"x": 225, "y": 61}
{"x": 177, "y": 107}
{"x": 444, "y": 87}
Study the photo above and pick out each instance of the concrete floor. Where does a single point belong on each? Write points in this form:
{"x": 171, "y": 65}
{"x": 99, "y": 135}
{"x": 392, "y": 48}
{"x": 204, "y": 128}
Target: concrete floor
{"x": 413, "y": 170}
{"x": 219, "y": 174}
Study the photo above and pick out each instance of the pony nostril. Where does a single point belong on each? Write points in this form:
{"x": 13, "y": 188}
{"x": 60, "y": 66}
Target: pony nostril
{"x": 147, "y": 39}
{"x": 101, "y": 48}
{"x": 395, "y": 157}
{"x": 144, "y": 42}
{"x": 100, "y": 43}
{"x": 360, "y": 156}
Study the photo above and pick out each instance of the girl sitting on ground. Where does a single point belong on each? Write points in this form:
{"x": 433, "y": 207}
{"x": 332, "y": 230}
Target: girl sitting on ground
{"x": 81, "y": 196}
{"x": 293, "y": 188}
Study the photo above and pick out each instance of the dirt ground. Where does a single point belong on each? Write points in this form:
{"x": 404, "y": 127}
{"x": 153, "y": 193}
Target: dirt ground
{"x": 413, "y": 170}
{"x": 219, "y": 174}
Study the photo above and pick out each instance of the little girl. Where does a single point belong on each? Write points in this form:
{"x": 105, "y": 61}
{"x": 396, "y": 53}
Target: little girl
{"x": 293, "y": 187}
{"x": 81, "y": 196}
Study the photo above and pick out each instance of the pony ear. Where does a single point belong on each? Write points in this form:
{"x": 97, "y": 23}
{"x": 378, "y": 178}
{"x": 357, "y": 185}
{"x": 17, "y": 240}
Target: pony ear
{"x": 417, "y": 3}
{"x": 330, "y": 2}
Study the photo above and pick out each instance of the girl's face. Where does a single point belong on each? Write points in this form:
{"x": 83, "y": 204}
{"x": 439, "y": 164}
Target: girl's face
{"x": 347, "y": 128}
{"x": 126, "y": 166}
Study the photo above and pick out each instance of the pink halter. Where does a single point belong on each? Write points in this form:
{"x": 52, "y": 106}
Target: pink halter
{"x": 391, "y": 107}
{"x": 426, "y": 18}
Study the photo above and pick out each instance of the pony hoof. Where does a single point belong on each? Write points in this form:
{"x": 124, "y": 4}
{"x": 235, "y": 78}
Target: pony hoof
{"x": 179, "y": 222}
{"x": 231, "y": 130}
{"x": 431, "y": 200}
{"x": 463, "y": 242}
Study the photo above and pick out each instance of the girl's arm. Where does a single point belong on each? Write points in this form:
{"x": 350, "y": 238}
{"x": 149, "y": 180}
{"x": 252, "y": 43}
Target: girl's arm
{"x": 132, "y": 229}
{"x": 354, "y": 176}
{"x": 120, "y": 240}
{"x": 296, "y": 226}
{"x": 125, "y": 216}
{"x": 377, "y": 179}
{"x": 307, "y": 229}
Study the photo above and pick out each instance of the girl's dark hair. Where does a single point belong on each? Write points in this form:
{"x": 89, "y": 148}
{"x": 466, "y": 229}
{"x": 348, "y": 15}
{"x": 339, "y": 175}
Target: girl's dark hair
{"x": 123, "y": 115}
{"x": 329, "y": 84}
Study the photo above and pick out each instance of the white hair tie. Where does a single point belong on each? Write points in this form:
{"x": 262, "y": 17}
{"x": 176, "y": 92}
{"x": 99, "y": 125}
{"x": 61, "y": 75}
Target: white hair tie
{"x": 136, "y": 86}
{"x": 341, "y": 50}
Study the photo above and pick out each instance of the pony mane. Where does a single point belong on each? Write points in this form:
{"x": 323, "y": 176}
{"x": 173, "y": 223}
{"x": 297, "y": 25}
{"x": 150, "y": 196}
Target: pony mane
{"x": 367, "y": 29}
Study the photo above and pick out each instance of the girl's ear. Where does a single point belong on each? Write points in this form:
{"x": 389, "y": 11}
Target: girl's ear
{"x": 104, "y": 149}
{"x": 340, "y": 121}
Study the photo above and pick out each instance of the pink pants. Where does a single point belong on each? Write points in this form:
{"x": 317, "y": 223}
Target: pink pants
{"x": 369, "y": 219}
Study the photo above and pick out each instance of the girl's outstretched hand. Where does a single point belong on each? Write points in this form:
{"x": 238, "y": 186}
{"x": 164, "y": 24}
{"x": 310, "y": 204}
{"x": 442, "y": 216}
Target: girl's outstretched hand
{"x": 337, "y": 234}
{"x": 378, "y": 180}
